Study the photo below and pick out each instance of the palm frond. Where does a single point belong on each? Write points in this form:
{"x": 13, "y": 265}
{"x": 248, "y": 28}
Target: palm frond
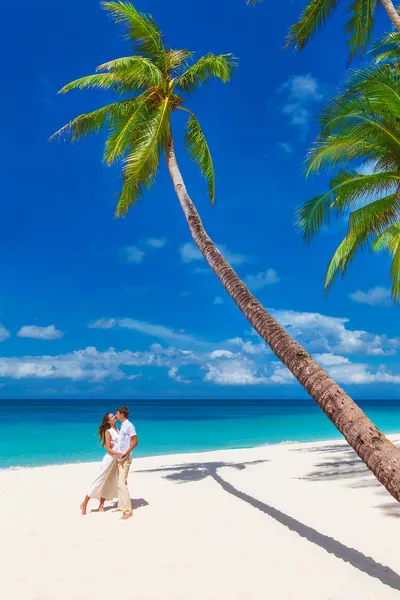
{"x": 360, "y": 25}
{"x": 206, "y": 68}
{"x": 199, "y": 152}
{"x": 175, "y": 58}
{"x": 342, "y": 258}
{"x": 88, "y": 123}
{"x": 128, "y": 196}
{"x": 387, "y": 240}
{"x": 390, "y": 240}
{"x": 311, "y": 19}
{"x": 122, "y": 128}
{"x": 141, "y": 29}
{"x": 104, "y": 81}
{"x": 387, "y": 50}
{"x": 337, "y": 150}
{"x": 150, "y": 135}
{"x": 374, "y": 218}
{"x": 135, "y": 71}
{"x": 347, "y": 188}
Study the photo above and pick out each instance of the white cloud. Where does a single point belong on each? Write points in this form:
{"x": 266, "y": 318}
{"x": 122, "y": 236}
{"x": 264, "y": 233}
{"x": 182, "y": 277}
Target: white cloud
{"x": 303, "y": 91}
{"x": 156, "y": 242}
{"x": 103, "y": 323}
{"x": 248, "y": 347}
{"x": 234, "y": 372}
{"x": 4, "y": 333}
{"x": 88, "y": 364}
{"x": 218, "y": 300}
{"x": 281, "y": 375}
{"x": 189, "y": 253}
{"x": 320, "y": 333}
{"x": 134, "y": 254}
{"x": 173, "y": 374}
{"x": 286, "y": 147}
{"x": 303, "y": 87}
{"x": 377, "y": 296}
{"x": 221, "y": 354}
{"x": 261, "y": 279}
{"x": 342, "y": 370}
{"x": 234, "y": 259}
{"x": 358, "y": 373}
{"x": 40, "y": 333}
{"x": 327, "y": 359}
{"x": 159, "y": 331}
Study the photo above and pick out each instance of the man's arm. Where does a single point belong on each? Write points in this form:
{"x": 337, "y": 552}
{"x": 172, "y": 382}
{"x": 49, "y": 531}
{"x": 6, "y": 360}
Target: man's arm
{"x": 134, "y": 443}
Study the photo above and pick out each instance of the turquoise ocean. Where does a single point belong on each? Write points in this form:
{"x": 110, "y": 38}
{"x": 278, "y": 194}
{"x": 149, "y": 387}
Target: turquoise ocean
{"x": 42, "y": 432}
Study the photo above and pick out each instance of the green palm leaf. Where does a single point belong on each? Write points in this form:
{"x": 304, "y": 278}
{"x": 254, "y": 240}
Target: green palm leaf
{"x": 375, "y": 217}
{"x": 206, "y": 68}
{"x": 136, "y": 71}
{"x": 199, "y": 152}
{"x": 342, "y": 257}
{"x": 151, "y": 132}
{"x": 175, "y": 58}
{"x": 122, "y": 127}
{"x": 390, "y": 240}
{"x": 347, "y": 188}
{"x": 104, "y": 81}
{"x": 141, "y": 29}
{"x": 360, "y": 25}
{"x": 88, "y": 123}
{"x": 311, "y": 19}
{"x": 387, "y": 50}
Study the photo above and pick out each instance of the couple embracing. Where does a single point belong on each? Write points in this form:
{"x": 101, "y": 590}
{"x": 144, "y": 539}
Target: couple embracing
{"x": 113, "y": 477}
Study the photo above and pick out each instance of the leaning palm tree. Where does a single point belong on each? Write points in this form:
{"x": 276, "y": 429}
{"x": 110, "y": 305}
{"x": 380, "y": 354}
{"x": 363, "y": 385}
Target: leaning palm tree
{"x": 154, "y": 83}
{"x": 361, "y": 124}
{"x": 359, "y": 26}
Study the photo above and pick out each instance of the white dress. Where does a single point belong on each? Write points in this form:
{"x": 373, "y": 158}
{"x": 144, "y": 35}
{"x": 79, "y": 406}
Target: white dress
{"x": 105, "y": 485}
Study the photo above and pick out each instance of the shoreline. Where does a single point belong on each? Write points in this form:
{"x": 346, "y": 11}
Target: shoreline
{"x": 317, "y": 442}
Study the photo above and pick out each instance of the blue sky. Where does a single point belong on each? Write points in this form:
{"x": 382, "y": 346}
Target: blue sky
{"x": 98, "y": 307}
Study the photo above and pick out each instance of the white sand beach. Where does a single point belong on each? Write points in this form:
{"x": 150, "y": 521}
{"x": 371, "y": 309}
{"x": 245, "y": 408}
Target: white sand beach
{"x": 304, "y": 521}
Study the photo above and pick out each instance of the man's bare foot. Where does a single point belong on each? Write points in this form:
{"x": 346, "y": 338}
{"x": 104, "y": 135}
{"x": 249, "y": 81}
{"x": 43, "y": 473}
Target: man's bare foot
{"x": 126, "y": 516}
{"x": 83, "y": 509}
{"x": 101, "y": 508}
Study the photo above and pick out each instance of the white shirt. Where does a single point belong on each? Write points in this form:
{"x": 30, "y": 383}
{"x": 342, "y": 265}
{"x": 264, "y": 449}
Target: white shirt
{"x": 125, "y": 433}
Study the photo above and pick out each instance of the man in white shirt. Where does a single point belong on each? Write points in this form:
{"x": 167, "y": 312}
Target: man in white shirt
{"x": 127, "y": 442}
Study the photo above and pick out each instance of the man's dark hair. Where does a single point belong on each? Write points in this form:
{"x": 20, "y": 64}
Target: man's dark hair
{"x": 124, "y": 410}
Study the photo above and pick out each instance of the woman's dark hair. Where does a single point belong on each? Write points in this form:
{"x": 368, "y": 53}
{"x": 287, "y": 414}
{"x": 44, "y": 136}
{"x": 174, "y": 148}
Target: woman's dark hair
{"x": 103, "y": 428}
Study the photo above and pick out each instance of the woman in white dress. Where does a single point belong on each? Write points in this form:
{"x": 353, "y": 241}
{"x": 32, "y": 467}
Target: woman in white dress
{"x": 104, "y": 487}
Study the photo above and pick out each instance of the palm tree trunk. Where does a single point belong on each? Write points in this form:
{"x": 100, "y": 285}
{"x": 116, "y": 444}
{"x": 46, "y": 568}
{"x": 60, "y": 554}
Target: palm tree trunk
{"x": 379, "y": 454}
{"x": 391, "y": 10}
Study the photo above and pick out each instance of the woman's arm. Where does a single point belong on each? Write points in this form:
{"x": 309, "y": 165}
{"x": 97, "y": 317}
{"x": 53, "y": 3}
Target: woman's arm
{"x": 108, "y": 444}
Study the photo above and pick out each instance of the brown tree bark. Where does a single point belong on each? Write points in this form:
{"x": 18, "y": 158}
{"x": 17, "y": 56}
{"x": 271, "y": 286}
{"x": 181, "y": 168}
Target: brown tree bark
{"x": 391, "y": 10}
{"x": 380, "y": 455}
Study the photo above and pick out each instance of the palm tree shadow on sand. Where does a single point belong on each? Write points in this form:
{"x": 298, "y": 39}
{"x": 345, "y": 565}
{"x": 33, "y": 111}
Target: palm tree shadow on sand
{"x": 339, "y": 462}
{"x": 193, "y": 472}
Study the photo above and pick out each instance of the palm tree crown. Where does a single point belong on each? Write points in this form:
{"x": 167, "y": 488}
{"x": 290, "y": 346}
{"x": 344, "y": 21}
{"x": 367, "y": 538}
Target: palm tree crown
{"x": 359, "y": 25}
{"x": 152, "y": 84}
{"x": 361, "y": 124}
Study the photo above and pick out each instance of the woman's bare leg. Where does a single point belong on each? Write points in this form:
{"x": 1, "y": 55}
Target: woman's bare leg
{"x": 84, "y": 504}
{"x": 101, "y": 505}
